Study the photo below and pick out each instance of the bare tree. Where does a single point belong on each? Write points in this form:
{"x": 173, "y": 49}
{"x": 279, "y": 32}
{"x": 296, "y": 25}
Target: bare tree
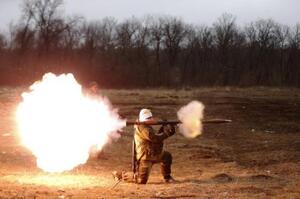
{"x": 23, "y": 33}
{"x": 151, "y": 51}
{"x": 46, "y": 17}
{"x": 126, "y": 32}
{"x": 225, "y": 29}
{"x": 141, "y": 42}
{"x": 72, "y": 36}
{"x": 3, "y": 42}
{"x": 3, "y": 45}
{"x": 225, "y": 32}
{"x": 292, "y": 71}
{"x": 265, "y": 33}
{"x": 294, "y": 37}
{"x": 155, "y": 44}
{"x": 204, "y": 53}
{"x": 174, "y": 33}
{"x": 107, "y": 34}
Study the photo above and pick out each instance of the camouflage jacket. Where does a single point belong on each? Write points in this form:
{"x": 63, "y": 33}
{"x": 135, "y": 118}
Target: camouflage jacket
{"x": 148, "y": 142}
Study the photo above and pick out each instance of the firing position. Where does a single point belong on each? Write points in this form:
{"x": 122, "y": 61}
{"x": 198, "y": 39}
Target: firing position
{"x": 148, "y": 150}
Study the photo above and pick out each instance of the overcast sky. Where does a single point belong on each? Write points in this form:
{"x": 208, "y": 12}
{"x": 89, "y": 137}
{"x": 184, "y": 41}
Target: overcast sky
{"x": 192, "y": 11}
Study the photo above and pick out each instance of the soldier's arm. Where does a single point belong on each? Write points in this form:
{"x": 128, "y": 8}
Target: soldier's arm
{"x": 150, "y": 135}
{"x": 168, "y": 129}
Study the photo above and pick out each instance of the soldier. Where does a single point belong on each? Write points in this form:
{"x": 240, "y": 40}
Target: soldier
{"x": 149, "y": 150}
{"x": 93, "y": 89}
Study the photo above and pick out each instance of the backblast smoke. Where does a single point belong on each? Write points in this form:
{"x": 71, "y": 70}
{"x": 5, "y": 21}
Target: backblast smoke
{"x": 191, "y": 116}
{"x": 60, "y": 124}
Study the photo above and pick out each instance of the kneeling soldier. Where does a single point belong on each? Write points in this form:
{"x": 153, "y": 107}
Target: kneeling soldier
{"x": 148, "y": 146}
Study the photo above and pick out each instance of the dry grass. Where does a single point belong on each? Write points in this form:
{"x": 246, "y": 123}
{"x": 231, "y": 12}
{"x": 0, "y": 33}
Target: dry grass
{"x": 257, "y": 156}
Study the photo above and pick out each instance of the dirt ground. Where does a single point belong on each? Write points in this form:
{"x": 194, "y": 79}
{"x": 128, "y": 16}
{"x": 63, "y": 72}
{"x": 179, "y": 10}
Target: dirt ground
{"x": 256, "y": 156}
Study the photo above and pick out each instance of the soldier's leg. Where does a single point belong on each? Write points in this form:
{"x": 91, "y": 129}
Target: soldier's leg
{"x": 166, "y": 162}
{"x": 144, "y": 171}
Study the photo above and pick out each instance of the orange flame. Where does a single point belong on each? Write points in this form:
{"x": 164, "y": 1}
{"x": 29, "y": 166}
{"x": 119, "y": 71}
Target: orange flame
{"x": 59, "y": 124}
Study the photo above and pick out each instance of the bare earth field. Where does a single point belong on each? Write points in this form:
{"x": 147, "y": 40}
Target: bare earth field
{"x": 256, "y": 156}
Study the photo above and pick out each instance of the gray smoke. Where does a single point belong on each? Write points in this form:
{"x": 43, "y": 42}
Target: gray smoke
{"x": 191, "y": 117}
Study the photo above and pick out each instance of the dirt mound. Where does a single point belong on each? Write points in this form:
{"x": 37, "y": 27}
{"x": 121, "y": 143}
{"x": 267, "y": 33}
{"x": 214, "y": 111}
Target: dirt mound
{"x": 223, "y": 177}
{"x": 250, "y": 189}
{"x": 261, "y": 177}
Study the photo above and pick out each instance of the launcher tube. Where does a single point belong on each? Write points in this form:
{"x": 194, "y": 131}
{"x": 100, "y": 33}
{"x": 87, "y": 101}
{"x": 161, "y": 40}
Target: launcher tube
{"x": 175, "y": 122}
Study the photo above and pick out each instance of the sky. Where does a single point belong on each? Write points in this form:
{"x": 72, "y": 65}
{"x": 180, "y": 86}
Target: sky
{"x": 192, "y": 11}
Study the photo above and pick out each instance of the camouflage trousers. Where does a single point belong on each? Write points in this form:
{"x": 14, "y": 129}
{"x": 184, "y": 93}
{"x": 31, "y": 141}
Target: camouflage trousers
{"x": 144, "y": 167}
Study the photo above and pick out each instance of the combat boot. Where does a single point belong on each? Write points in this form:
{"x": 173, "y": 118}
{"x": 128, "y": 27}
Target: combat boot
{"x": 169, "y": 179}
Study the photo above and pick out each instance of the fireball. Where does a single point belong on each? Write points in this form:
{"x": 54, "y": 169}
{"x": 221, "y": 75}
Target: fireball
{"x": 59, "y": 124}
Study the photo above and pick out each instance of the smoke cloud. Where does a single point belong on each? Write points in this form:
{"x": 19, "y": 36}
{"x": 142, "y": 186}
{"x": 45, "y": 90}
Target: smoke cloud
{"x": 59, "y": 124}
{"x": 191, "y": 117}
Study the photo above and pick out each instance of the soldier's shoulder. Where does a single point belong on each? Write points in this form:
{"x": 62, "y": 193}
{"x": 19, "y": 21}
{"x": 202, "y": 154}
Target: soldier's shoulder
{"x": 143, "y": 128}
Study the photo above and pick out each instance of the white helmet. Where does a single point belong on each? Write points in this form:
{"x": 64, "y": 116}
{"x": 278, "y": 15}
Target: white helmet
{"x": 145, "y": 114}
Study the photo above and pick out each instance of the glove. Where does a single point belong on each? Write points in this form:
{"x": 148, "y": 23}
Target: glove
{"x": 169, "y": 129}
{"x": 162, "y": 128}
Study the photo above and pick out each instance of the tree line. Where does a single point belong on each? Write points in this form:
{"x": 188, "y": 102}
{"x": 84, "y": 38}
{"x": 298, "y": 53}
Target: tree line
{"x": 153, "y": 51}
